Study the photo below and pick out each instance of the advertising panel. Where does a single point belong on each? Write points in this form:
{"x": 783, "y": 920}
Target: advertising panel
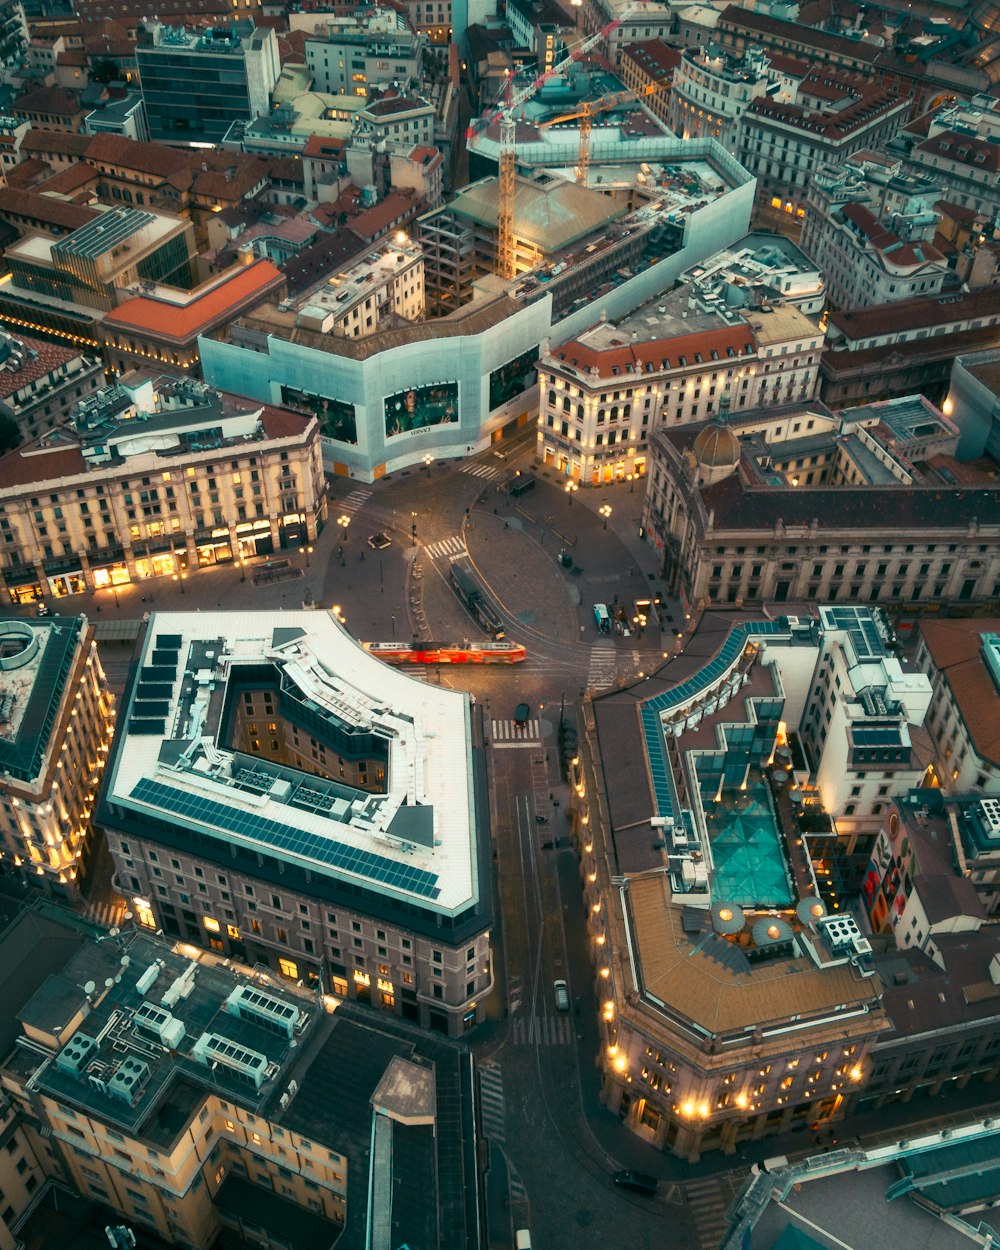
{"x": 421, "y": 407}
{"x": 337, "y": 419}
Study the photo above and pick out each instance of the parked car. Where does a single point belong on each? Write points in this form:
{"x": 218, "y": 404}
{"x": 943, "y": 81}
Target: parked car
{"x": 562, "y": 995}
{"x": 638, "y": 1182}
{"x": 521, "y": 715}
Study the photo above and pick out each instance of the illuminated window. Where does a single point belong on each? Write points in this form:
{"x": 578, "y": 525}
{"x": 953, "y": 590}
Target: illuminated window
{"x": 232, "y": 931}
{"x": 210, "y": 924}
{"x": 289, "y": 969}
{"x": 230, "y": 1125}
{"x": 255, "y": 1137}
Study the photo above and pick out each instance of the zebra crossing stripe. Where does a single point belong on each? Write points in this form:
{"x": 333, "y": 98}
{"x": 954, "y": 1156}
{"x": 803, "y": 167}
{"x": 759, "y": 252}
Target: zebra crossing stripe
{"x": 452, "y": 546}
{"x": 487, "y": 471}
{"x": 353, "y": 501}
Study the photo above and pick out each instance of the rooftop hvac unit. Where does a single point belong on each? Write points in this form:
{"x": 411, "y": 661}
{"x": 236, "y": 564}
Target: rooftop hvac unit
{"x": 166, "y": 1028}
{"x": 181, "y": 987}
{"x": 129, "y": 1079}
{"x": 247, "y": 1065}
{"x": 76, "y": 1054}
{"x": 251, "y": 1004}
{"x": 989, "y": 813}
{"x": 147, "y": 979}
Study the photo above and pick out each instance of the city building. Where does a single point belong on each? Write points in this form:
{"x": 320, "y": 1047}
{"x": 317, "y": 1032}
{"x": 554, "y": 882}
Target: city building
{"x": 888, "y": 514}
{"x": 319, "y": 812}
{"x": 119, "y": 248}
{"x": 56, "y": 717}
{"x": 353, "y": 54}
{"x": 195, "y": 1100}
{"x": 124, "y": 115}
{"x": 160, "y": 327}
{"x": 761, "y": 268}
{"x": 41, "y": 383}
{"x": 871, "y": 233}
{"x": 735, "y": 1001}
{"x": 956, "y": 147}
{"x": 712, "y": 89}
{"x": 740, "y": 995}
{"x": 196, "y": 83}
{"x": 53, "y": 108}
{"x": 784, "y": 144}
{"x": 647, "y": 70}
{"x": 156, "y": 481}
{"x": 962, "y": 659}
{"x": 603, "y": 393}
{"x": 912, "y": 347}
{"x": 974, "y": 396}
{"x": 392, "y": 398}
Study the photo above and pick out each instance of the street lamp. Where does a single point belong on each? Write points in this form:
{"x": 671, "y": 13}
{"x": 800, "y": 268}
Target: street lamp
{"x": 307, "y": 552}
{"x": 571, "y": 489}
{"x": 428, "y": 461}
{"x": 630, "y": 478}
{"x": 338, "y": 612}
{"x": 242, "y": 568}
{"x": 413, "y": 525}
{"x": 182, "y": 578}
{"x": 605, "y": 511}
{"x": 344, "y": 521}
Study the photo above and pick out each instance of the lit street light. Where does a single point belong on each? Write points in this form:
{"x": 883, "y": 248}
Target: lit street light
{"x": 571, "y": 489}
{"x": 428, "y": 461}
{"x": 344, "y": 521}
{"x": 307, "y": 552}
{"x": 605, "y": 511}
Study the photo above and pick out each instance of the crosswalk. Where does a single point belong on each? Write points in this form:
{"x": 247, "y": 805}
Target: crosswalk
{"x": 491, "y": 1101}
{"x": 603, "y": 667}
{"x": 107, "y": 913}
{"x": 355, "y": 500}
{"x": 708, "y": 1199}
{"x": 542, "y": 1031}
{"x": 486, "y": 471}
{"x": 450, "y": 547}
{"x": 509, "y": 733}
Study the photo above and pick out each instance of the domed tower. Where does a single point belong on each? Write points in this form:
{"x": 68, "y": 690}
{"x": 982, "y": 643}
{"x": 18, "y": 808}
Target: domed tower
{"x": 716, "y": 449}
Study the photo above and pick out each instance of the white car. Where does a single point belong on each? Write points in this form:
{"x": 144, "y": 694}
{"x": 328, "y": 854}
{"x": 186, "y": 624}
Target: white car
{"x": 562, "y": 995}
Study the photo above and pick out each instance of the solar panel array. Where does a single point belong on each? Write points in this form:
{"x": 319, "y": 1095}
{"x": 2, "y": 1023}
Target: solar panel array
{"x": 732, "y": 649}
{"x": 277, "y": 836}
{"x": 861, "y": 629}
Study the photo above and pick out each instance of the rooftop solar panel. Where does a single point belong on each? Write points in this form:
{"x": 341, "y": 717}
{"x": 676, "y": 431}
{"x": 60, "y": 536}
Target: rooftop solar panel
{"x": 143, "y": 727}
{"x": 319, "y": 848}
{"x": 169, "y": 642}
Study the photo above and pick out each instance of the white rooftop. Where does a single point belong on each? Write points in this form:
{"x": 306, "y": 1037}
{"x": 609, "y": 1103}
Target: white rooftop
{"x": 417, "y": 841}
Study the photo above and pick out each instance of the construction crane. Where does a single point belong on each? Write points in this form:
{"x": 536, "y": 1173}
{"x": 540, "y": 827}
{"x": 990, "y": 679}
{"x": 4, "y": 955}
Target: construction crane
{"x": 586, "y": 113}
{"x": 505, "y": 113}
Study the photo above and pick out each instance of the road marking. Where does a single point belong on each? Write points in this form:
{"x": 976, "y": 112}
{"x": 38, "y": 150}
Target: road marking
{"x": 449, "y": 547}
{"x": 491, "y": 1101}
{"x": 603, "y": 668}
{"x": 508, "y": 733}
{"x": 542, "y": 1031}
{"x": 106, "y": 914}
{"x": 487, "y": 471}
{"x": 355, "y": 500}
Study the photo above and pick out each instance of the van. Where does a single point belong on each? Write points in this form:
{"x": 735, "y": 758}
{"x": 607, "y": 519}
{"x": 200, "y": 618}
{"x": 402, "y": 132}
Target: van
{"x": 638, "y": 1182}
{"x": 522, "y": 1239}
{"x": 602, "y": 618}
{"x": 520, "y": 483}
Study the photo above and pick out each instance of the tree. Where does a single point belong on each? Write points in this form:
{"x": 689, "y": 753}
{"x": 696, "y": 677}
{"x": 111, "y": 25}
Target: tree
{"x": 104, "y": 70}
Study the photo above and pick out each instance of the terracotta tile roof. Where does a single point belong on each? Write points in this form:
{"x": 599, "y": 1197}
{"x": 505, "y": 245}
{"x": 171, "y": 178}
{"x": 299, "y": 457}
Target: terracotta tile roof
{"x": 29, "y": 173}
{"x": 915, "y": 314}
{"x": 746, "y": 19}
{"x": 963, "y": 149}
{"x": 286, "y": 168}
{"x": 280, "y": 422}
{"x": 71, "y": 179}
{"x": 54, "y": 100}
{"x": 329, "y": 255}
{"x": 44, "y": 210}
{"x": 147, "y": 158}
{"x": 319, "y": 146}
{"x": 57, "y": 142}
{"x": 29, "y": 465}
{"x": 48, "y": 356}
{"x": 373, "y": 221}
{"x": 658, "y": 351}
{"x": 72, "y": 57}
{"x": 226, "y": 299}
{"x": 956, "y": 650}
{"x": 654, "y": 57}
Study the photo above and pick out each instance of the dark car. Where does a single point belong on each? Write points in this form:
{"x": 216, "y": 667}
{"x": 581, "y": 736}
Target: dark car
{"x": 638, "y": 1182}
{"x": 521, "y": 715}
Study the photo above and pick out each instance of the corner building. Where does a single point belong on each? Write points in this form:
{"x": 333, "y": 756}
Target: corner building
{"x": 277, "y": 795}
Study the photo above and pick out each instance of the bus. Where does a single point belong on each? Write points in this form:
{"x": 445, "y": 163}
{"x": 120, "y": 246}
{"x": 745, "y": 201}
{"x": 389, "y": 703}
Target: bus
{"x": 448, "y": 652}
{"x": 477, "y": 602}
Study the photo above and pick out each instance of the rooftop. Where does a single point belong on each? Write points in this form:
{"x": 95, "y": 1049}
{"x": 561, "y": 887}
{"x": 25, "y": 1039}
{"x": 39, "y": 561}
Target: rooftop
{"x": 552, "y": 213}
{"x": 958, "y": 649}
{"x": 142, "y": 1031}
{"x": 182, "y": 315}
{"x": 417, "y": 841}
{"x": 36, "y": 661}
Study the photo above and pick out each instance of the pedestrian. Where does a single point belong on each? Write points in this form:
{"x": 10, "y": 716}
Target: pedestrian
{"x": 506, "y": 525}
{"x": 362, "y": 555}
